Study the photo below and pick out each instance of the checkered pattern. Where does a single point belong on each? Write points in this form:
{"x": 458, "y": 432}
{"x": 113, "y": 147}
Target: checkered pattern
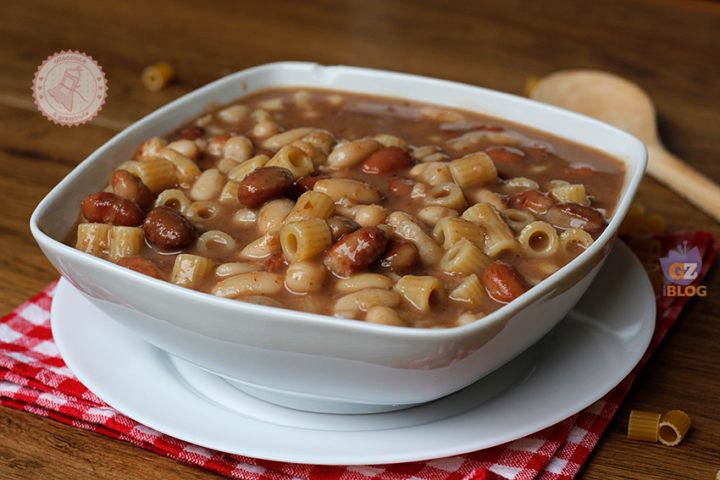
{"x": 34, "y": 378}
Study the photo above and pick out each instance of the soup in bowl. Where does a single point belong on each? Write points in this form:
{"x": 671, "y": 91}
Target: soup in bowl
{"x": 369, "y": 240}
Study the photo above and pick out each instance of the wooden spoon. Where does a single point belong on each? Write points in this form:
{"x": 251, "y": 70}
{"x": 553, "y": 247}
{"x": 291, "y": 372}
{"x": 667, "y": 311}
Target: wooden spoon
{"x": 621, "y": 103}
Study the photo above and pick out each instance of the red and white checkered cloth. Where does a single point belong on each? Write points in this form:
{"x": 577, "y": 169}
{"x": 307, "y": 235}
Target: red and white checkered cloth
{"x": 34, "y": 378}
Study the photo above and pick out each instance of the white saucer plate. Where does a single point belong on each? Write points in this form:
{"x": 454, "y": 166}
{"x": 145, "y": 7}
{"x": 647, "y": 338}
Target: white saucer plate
{"x": 577, "y": 363}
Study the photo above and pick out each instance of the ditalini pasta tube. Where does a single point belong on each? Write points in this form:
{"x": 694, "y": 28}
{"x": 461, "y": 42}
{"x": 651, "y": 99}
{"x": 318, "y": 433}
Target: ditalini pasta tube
{"x": 186, "y": 169}
{"x": 430, "y": 252}
{"x": 643, "y": 426}
{"x": 125, "y": 242}
{"x": 575, "y": 240}
{"x": 190, "y": 270}
{"x": 673, "y": 427}
{"x": 470, "y": 291}
{"x": 305, "y": 239}
{"x": 173, "y": 198}
{"x": 498, "y": 236}
{"x": 539, "y": 240}
{"x": 464, "y": 257}
{"x": 92, "y": 238}
{"x": 449, "y": 231}
{"x": 571, "y": 193}
{"x": 294, "y": 160}
{"x": 311, "y": 204}
{"x": 422, "y": 292}
{"x": 157, "y": 175}
{"x": 473, "y": 170}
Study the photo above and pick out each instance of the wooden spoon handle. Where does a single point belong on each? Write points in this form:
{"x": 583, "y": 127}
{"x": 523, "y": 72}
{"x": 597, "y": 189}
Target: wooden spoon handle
{"x": 685, "y": 180}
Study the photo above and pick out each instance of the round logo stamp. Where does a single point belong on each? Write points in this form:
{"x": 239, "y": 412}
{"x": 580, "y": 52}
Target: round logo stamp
{"x": 69, "y": 88}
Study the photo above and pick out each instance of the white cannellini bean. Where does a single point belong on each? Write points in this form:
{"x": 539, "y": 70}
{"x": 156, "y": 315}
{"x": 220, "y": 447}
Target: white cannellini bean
{"x": 244, "y": 217}
{"x": 272, "y": 215}
{"x": 384, "y": 316}
{"x": 352, "y": 153}
{"x": 362, "y": 301}
{"x": 187, "y": 148}
{"x": 238, "y": 148}
{"x": 354, "y": 190}
{"x": 262, "y": 247}
{"x": 370, "y": 215}
{"x": 265, "y": 129}
{"x": 233, "y": 114}
{"x": 277, "y": 141}
{"x": 434, "y": 213}
{"x": 235, "y": 268}
{"x": 251, "y": 283}
{"x": 208, "y": 185}
{"x": 305, "y": 277}
{"x": 363, "y": 281}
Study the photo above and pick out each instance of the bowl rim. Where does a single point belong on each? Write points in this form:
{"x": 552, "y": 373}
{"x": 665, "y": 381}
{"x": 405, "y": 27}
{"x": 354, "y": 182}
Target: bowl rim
{"x": 631, "y": 183}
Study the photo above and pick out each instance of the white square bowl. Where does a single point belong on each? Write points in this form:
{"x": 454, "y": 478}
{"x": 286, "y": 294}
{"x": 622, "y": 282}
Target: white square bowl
{"x": 311, "y": 361}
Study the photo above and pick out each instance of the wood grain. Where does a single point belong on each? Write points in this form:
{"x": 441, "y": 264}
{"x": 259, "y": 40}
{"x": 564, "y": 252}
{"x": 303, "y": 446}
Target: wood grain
{"x": 667, "y": 47}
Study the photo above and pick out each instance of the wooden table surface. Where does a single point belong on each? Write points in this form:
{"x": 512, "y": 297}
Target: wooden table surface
{"x": 670, "y": 48}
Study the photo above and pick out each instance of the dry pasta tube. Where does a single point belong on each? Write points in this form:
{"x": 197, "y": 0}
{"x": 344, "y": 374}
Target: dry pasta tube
{"x": 125, "y": 242}
{"x": 305, "y": 239}
{"x": 674, "y": 425}
{"x": 643, "y": 426}
{"x": 422, "y": 292}
{"x": 158, "y": 76}
{"x": 92, "y": 238}
{"x": 639, "y": 222}
{"x": 190, "y": 270}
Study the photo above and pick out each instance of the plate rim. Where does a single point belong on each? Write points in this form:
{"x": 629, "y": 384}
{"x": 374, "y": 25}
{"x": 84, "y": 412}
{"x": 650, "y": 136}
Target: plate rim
{"x": 646, "y": 324}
